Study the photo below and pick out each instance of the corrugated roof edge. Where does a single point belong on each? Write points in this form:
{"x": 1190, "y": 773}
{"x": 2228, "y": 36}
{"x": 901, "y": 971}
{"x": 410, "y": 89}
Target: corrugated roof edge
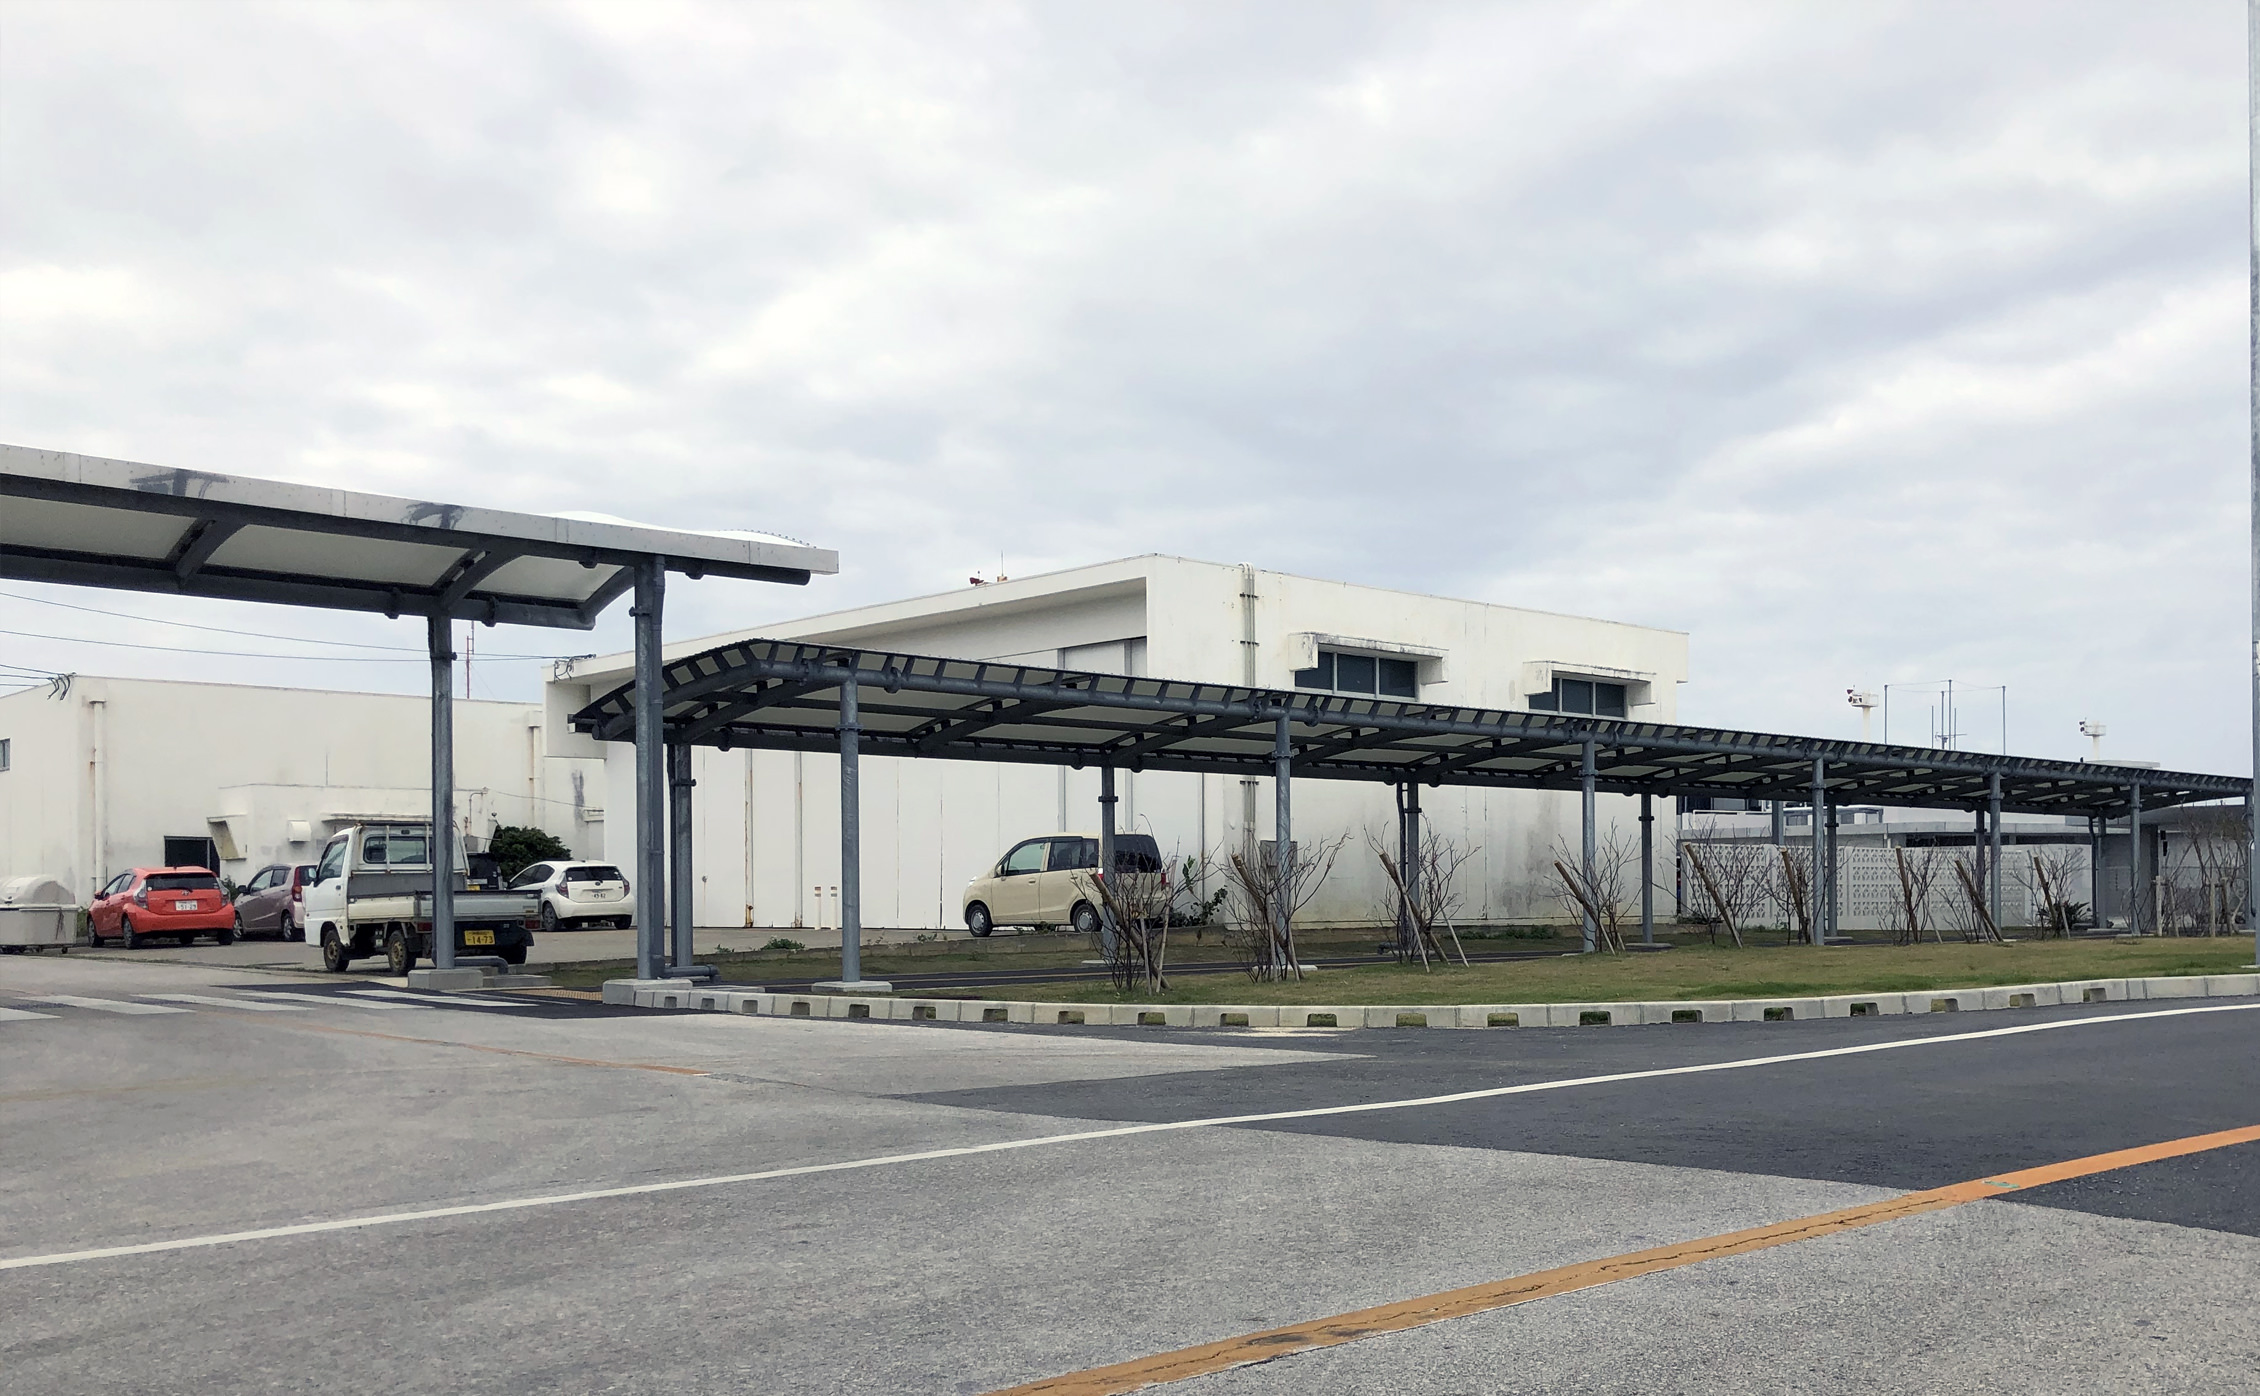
{"x": 104, "y": 474}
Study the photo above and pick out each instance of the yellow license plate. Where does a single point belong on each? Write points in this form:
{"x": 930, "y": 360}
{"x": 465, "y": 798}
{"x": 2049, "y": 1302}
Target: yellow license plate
{"x": 478, "y": 937}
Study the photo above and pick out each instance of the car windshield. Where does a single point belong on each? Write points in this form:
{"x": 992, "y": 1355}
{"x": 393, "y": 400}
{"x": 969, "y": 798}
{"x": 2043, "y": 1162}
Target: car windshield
{"x": 593, "y": 874}
{"x": 183, "y": 882}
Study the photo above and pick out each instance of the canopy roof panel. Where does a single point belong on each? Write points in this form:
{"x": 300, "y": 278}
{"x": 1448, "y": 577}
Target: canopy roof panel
{"x": 783, "y": 695}
{"x": 91, "y": 521}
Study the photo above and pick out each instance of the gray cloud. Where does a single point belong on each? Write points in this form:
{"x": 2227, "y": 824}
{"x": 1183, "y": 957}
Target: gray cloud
{"x": 1867, "y": 344}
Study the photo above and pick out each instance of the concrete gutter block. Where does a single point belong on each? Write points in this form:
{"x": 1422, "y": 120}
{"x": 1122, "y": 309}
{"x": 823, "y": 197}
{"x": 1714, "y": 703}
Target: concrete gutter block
{"x": 1707, "y": 1011}
{"x": 624, "y": 991}
{"x": 2232, "y": 985}
{"x": 1067, "y": 1014}
{"x": 2174, "y": 987}
{"x": 1234, "y": 1015}
{"x": 1299, "y": 1016}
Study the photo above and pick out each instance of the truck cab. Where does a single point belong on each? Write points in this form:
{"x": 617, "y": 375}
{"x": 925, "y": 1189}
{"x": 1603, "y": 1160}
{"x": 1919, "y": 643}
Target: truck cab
{"x": 371, "y": 894}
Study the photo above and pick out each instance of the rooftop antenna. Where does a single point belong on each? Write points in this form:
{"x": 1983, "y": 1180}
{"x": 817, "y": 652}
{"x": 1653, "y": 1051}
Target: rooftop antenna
{"x": 1867, "y": 703}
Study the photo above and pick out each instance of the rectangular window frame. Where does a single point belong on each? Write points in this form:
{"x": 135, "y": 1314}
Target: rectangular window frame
{"x": 1370, "y": 675}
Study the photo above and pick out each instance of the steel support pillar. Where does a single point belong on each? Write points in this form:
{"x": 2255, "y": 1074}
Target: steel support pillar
{"x": 1106, "y": 868}
{"x": 1586, "y": 817}
{"x": 851, "y": 836}
{"x": 681, "y": 902}
{"x": 2252, "y": 230}
{"x": 1819, "y": 895}
{"x": 1993, "y": 848}
{"x": 1780, "y": 829}
{"x": 651, "y": 795}
{"x": 1283, "y": 845}
{"x": 1834, "y": 910}
{"x": 439, "y": 636}
{"x": 2095, "y": 869}
{"x": 2135, "y": 890}
{"x": 1412, "y": 864}
{"x": 1404, "y": 865}
{"x": 1647, "y": 869}
{"x": 1977, "y": 850}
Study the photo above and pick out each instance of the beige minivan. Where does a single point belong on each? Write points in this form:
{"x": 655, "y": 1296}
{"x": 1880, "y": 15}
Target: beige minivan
{"x": 1047, "y": 882}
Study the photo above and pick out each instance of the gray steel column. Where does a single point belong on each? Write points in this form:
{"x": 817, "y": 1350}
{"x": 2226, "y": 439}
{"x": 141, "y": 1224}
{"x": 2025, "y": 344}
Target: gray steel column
{"x": 1282, "y": 780}
{"x": 1819, "y": 914}
{"x": 1404, "y": 874}
{"x": 2134, "y": 858}
{"x": 1411, "y": 867}
{"x": 1993, "y": 847}
{"x": 2252, "y": 126}
{"x": 682, "y": 902}
{"x": 651, "y": 801}
{"x": 441, "y": 640}
{"x": 1830, "y": 929}
{"x": 1106, "y": 856}
{"x": 1780, "y": 831}
{"x": 1585, "y": 796}
{"x": 2095, "y": 869}
{"x": 1647, "y": 869}
{"x": 851, "y": 836}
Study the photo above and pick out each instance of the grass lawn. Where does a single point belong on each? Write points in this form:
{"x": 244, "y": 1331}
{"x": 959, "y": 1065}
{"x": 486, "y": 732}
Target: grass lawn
{"x": 1696, "y": 971}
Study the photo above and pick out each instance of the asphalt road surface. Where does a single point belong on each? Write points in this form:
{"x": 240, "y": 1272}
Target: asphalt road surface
{"x": 222, "y": 1180}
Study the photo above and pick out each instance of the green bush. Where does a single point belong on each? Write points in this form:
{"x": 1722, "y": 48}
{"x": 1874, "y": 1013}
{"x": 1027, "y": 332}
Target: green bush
{"x": 514, "y": 846}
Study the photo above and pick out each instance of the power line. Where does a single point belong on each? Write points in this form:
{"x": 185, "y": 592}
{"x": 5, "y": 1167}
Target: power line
{"x": 224, "y": 630}
{"x": 259, "y": 654}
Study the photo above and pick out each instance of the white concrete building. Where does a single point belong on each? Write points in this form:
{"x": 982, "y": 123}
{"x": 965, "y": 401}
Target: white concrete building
{"x": 767, "y": 822}
{"x": 110, "y": 774}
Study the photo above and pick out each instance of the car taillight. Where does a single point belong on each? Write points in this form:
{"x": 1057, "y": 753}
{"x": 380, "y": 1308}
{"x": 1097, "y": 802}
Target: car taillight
{"x": 141, "y": 897}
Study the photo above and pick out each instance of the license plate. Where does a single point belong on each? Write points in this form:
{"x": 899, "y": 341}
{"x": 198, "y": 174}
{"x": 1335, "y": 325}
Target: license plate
{"x": 478, "y": 937}
{"x": 188, "y": 906}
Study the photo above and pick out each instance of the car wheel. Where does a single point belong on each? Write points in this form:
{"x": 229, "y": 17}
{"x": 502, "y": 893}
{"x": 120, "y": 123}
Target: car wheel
{"x": 227, "y": 935}
{"x": 125, "y": 929}
{"x": 400, "y": 956}
{"x": 1086, "y": 919}
{"x": 977, "y": 920}
{"x": 286, "y": 931}
{"x": 548, "y": 919}
{"x": 334, "y": 958}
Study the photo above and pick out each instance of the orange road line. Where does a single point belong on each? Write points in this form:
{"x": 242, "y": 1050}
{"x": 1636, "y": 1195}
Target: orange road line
{"x": 480, "y": 1047}
{"x": 1251, "y": 1348}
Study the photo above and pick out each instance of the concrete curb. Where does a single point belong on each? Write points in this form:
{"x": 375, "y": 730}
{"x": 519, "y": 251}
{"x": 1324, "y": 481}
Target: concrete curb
{"x": 682, "y": 994}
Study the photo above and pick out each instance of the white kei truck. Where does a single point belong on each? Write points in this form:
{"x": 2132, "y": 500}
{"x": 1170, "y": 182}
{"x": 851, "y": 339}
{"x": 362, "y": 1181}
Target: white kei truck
{"x": 371, "y": 894}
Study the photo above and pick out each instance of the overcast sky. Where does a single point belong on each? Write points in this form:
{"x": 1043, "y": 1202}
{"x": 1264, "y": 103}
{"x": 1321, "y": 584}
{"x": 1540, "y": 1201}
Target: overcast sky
{"x": 1866, "y": 343}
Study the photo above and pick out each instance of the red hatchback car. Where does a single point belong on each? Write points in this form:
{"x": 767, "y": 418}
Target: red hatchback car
{"x": 146, "y": 903}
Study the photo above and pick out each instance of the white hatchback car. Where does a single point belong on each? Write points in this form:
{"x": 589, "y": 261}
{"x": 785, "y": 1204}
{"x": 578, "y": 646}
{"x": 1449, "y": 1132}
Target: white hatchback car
{"x": 577, "y": 894}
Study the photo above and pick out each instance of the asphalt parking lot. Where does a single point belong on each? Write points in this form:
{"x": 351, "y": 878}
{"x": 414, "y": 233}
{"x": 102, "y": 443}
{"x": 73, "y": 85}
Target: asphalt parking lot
{"x": 219, "y": 1179}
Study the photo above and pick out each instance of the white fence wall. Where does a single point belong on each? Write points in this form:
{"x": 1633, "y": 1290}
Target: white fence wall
{"x": 1868, "y": 889}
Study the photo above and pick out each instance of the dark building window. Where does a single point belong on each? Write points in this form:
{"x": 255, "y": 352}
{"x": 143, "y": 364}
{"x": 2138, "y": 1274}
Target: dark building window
{"x": 1581, "y": 696}
{"x": 1368, "y": 674}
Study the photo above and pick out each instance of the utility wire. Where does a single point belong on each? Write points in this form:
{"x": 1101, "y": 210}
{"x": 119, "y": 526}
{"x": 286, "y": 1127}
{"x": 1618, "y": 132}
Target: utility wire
{"x": 258, "y": 654}
{"x": 247, "y": 634}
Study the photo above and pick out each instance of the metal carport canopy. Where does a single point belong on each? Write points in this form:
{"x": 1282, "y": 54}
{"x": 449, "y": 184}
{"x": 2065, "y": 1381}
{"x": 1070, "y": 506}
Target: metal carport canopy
{"x": 784, "y": 695}
{"x": 89, "y": 521}
{"x": 94, "y": 522}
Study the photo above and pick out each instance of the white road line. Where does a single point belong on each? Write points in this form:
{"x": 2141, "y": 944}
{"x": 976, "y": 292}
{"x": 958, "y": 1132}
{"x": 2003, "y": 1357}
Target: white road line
{"x": 330, "y": 1000}
{"x": 559, "y": 1199}
{"x": 11, "y": 1014}
{"x": 430, "y": 1002}
{"x": 218, "y": 1002}
{"x": 105, "y": 1005}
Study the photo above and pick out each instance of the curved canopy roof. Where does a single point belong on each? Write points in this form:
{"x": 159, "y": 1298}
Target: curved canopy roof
{"x": 90, "y": 521}
{"x": 784, "y": 695}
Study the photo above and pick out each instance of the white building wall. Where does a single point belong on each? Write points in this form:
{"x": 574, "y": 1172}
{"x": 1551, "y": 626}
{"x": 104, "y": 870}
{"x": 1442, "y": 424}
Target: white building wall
{"x": 104, "y": 774}
{"x": 769, "y": 833}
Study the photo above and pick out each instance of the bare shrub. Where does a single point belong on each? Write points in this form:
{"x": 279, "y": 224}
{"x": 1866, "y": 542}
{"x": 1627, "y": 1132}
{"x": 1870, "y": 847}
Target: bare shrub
{"x": 1609, "y": 895}
{"x": 1265, "y": 892}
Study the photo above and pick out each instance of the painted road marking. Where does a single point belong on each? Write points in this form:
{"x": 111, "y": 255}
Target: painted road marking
{"x": 1251, "y": 1348}
{"x": 11, "y": 1014}
{"x": 515, "y": 1204}
{"x": 215, "y": 1001}
{"x": 429, "y": 1002}
{"x": 104, "y": 1005}
{"x": 331, "y": 1000}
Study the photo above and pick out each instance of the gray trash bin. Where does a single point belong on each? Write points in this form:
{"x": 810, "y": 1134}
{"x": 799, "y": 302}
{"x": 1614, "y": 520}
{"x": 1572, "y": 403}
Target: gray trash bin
{"x": 36, "y": 912}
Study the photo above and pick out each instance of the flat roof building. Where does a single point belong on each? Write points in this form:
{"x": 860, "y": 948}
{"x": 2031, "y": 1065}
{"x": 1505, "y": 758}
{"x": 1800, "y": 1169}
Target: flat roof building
{"x": 766, "y": 827}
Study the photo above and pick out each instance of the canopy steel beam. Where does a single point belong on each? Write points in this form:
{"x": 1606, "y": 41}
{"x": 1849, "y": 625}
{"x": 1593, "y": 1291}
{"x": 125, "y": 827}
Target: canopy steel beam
{"x": 1076, "y": 719}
